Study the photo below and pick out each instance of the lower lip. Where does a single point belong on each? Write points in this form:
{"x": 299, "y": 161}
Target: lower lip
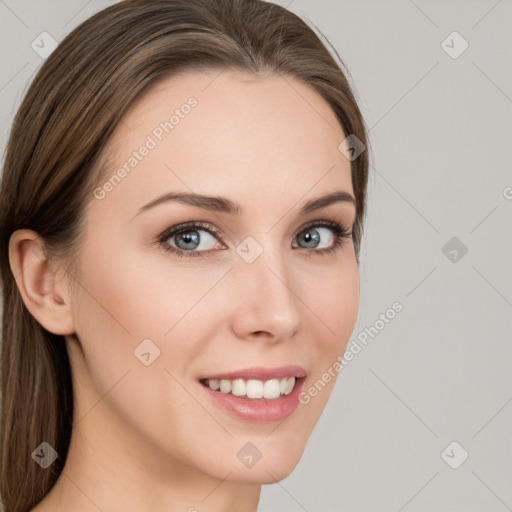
{"x": 259, "y": 409}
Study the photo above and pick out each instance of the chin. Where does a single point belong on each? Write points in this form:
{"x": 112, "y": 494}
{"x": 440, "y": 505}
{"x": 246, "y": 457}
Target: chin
{"x": 275, "y": 464}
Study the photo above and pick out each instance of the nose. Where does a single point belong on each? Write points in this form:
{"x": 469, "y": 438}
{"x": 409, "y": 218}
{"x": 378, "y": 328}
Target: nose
{"x": 266, "y": 304}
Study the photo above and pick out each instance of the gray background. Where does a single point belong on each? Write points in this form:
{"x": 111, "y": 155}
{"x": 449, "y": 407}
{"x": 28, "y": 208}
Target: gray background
{"x": 441, "y": 138}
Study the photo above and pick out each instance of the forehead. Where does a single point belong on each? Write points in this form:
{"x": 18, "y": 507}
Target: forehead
{"x": 226, "y": 133}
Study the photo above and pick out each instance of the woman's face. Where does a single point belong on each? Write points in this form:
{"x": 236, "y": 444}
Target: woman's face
{"x": 250, "y": 289}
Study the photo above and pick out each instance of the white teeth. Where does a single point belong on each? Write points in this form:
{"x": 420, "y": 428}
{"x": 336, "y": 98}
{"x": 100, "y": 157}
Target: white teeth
{"x": 238, "y": 387}
{"x": 214, "y": 384}
{"x": 289, "y": 385}
{"x": 254, "y": 388}
{"x": 225, "y": 386}
{"x": 271, "y": 389}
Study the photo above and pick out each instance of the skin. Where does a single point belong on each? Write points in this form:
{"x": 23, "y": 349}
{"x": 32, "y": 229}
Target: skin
{"x": 147, "y": 437}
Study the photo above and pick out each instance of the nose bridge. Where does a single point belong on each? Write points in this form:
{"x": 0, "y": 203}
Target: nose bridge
{"x": 266, "y": 299}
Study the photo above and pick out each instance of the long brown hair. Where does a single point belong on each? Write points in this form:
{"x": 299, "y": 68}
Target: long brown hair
{"x": 52, "y": 165}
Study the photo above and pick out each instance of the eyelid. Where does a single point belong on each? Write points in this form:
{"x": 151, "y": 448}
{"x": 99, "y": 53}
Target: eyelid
{"x": 188, "y": 226}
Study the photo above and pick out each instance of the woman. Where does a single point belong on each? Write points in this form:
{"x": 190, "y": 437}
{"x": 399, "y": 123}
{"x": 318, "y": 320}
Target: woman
{"x": 183, "y": 200}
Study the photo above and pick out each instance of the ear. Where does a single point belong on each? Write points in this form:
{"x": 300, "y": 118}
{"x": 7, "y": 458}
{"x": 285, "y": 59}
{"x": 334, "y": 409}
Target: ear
{"x": 45, "y": 297}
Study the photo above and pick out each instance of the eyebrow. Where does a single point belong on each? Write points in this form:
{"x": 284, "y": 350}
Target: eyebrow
{"x": 225, "y": 205}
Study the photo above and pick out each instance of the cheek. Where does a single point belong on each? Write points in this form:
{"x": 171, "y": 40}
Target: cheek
{"x": 129, "y": 301}
{"x": 335, "y": 307}
{"x": 333, "y": 298}
{"x": 139, "y": 299}
{"x": 123, "y": 302}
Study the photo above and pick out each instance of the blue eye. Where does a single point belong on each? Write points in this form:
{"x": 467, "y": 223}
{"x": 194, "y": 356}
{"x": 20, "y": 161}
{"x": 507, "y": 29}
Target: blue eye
{"x": 188, "y": 242}
{"x": 187, "y": 239}
{"x": 190, "y": 239}
{"x": 312, "y": 236}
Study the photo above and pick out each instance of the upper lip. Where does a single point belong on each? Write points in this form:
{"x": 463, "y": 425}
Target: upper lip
{"x": 260, "y": 373}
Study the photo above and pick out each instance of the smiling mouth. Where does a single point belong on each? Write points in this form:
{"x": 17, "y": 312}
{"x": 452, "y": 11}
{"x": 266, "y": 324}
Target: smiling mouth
{"x": 254, "y": 389}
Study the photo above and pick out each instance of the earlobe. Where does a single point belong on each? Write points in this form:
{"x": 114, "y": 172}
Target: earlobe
{"x": 44, "y": 296}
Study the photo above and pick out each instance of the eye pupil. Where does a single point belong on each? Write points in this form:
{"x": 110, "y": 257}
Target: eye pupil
{"x": 312, "y": 239}
{"x": 187, "y": 238}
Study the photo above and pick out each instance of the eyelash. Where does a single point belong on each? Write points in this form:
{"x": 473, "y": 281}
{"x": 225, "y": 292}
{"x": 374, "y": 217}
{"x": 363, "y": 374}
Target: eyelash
{"x": 341, "y": 233}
